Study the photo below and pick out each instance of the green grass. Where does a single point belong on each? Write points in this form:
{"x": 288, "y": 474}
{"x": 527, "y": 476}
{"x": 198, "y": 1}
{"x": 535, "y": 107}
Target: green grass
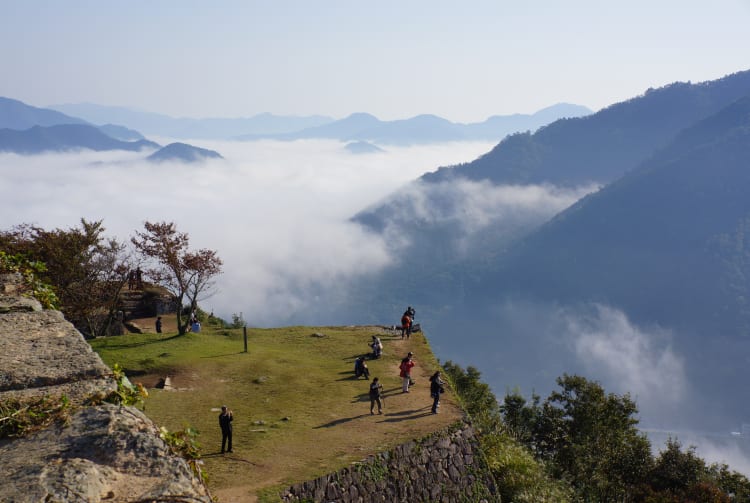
{"x": 298, "y": 411}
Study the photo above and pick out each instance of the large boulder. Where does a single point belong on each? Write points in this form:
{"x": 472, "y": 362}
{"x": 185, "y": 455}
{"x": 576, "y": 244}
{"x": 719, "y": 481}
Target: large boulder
{"x": 101, "y": 453}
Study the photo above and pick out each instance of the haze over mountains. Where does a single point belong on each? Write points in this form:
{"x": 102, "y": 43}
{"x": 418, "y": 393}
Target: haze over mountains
{"x": 643, "y": 284}
{"x": 29, "y": 130}
{"x": 356, "y": 127}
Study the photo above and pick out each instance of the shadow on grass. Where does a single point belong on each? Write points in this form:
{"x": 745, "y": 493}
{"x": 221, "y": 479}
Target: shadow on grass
{"x": 228, "y": 457}
{"x": 352, "y": 378}
{"x": 405, "y": 415}
{"x": 144, "y": 343}
{"x": 225, "y": 354}
{"x": 340, "y": 421}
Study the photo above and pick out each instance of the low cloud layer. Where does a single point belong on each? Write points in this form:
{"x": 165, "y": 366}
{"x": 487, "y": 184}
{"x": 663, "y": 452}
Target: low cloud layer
{"x": 276, "y": 212}
{"x": 639, "y": 361}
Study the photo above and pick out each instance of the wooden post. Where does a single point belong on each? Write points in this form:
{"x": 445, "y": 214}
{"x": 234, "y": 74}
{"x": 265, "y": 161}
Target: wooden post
{"x": 244, "y": 333}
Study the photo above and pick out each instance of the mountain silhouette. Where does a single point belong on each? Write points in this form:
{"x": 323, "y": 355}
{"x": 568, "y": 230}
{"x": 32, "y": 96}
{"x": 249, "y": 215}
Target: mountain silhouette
{"x": 189, "y": 128}
{"x": 425, "y": 128}
{"x": 64, "y": 137}
{"x": 184, "y": 153}
{"x": 15, "y": 114}
{"x": 362, "y": 147}
{"x": 601, "y": 147}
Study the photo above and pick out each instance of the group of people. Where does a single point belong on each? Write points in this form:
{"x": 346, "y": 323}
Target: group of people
{"x": 407, "y": 364}
{"x": 135, "y": 279}
{"x": 407, "y": 321}
{"x": 375, "y": 388}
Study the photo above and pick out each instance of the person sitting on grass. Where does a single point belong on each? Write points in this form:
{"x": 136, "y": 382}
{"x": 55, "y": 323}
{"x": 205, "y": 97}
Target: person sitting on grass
{"x": 377, "y": 346}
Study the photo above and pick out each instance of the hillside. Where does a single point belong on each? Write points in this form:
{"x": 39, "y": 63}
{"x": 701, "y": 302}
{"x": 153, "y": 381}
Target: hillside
{"x": 15, "y": 114}
{"x": 603, "y": 146}
{"x": 298, "y": 411}
{"x": 183, "y": 152}
{"x": 64, "y": 137}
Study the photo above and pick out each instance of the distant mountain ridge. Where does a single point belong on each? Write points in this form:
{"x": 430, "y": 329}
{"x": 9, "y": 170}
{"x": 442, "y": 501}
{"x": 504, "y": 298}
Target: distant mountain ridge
{"x": 37, "y": 130}
{"x": 15, "y": 114}
{"x": 187, "y": 128}
{"x": 355, "y": 127}
{"x": 64, "y": 137}
{"x": 427, "y": 128}
{"x": 602, "y": 146}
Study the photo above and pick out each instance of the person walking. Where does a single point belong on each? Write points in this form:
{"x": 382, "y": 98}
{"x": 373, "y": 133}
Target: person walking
{"x": 406, "y": 366}
{"x": 360, "y": 368}
{"x": 225, "y": 423}
{"x": 436, "y": 388}
{"x": 376, "y": 391}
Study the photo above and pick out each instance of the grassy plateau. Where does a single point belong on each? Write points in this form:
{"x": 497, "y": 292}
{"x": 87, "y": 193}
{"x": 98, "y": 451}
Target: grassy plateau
{"x": 299, "y": 413}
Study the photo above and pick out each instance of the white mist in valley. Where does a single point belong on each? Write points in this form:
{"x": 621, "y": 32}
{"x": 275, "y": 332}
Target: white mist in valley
{"x": 277, "y": 213}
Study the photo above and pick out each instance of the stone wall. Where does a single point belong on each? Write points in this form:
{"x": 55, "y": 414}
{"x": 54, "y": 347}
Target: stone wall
{"x": 103, "y": 453}
{"x": 444, "y": 467}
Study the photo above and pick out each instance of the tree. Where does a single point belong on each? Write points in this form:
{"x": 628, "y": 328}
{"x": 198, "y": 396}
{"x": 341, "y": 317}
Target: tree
{"x": 587, "y": 436}
{"x": 187, "y": 275}
{"x": 477, "y": 397}
{"x": 86, "y": 270}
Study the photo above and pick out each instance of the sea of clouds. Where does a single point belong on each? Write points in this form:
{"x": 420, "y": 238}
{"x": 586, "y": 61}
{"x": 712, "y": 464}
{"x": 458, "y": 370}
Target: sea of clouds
{"x": 279, "y": 216}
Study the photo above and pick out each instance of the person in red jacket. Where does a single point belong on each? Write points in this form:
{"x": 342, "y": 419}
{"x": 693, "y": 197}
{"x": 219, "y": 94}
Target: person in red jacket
{"x": 406, "y": 366}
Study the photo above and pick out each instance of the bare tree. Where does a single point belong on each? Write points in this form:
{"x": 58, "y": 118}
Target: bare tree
{"x": 187, "y": 275}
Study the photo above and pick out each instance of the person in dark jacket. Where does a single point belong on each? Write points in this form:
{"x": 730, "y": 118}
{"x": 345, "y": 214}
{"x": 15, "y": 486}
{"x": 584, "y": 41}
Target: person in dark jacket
{"x": 360, "y": 368}
{"x": 158, "y": 324}
{"x": 436, "y": 388}
{"x": 225, "y": 422}
{"x": 376, "y": 390}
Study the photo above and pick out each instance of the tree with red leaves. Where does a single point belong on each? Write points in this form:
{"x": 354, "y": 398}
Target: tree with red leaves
{"x": 187, "y": 275}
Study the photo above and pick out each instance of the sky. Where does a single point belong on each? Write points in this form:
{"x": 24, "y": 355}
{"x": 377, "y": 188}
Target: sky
{"x": 464, "y": 61}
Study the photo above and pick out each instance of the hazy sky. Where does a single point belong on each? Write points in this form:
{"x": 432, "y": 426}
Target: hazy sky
{"x": 464, "y": 61}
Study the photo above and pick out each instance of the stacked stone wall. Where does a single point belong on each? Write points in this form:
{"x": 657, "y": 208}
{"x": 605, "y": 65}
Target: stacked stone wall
{"x": 444, "y": 467}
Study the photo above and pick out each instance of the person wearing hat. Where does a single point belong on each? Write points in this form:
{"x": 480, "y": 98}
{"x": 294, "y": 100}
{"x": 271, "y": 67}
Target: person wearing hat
{"x": 406, "y": 366}
{"x": 225, "y": 422}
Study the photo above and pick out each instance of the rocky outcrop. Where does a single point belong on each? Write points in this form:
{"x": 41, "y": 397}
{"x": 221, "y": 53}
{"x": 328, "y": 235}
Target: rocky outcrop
{"x": 102, "y": 453}
{"x": 445, "y": 466}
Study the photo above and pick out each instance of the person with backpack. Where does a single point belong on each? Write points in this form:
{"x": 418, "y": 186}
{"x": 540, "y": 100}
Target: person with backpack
{"x": 406, "y": 365}
{"x": 436, "y": 388}
{"x": 376, "y": 391}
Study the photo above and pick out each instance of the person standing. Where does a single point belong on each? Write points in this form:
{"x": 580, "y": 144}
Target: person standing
{"x": 436, "y": 388}
{"x": 406, "y": 366}
{"x": 376, "y": 390}
{"x": 405, "y": 324}
{"x": 158, "y": 324}
{"x": 225, "y": 422}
